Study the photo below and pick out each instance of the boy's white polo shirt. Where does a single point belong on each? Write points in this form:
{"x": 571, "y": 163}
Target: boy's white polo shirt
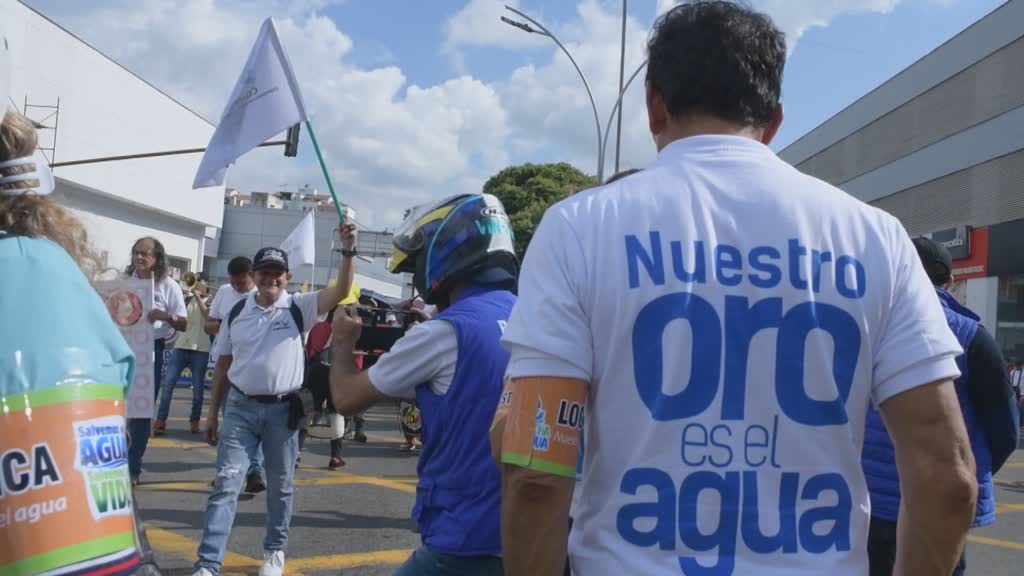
{"x": 265, "y": 345}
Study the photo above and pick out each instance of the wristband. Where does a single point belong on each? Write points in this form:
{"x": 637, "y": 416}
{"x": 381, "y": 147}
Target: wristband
{"x": 349, "y": 253}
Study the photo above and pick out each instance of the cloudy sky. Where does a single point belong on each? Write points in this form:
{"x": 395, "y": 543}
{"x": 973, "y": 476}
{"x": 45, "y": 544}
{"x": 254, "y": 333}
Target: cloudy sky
{"x": 414, "y": 101}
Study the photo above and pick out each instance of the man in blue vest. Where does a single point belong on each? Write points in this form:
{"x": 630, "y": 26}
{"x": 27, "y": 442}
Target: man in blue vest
{"x": 462, "y": 258}
{"x": 990, "y": 414}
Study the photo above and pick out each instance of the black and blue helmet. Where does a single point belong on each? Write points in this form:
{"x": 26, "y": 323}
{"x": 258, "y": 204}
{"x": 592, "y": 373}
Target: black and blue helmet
{"x": 462, "y": 238}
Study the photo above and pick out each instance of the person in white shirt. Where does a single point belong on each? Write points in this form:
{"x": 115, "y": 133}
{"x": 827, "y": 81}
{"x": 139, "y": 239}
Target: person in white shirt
{"x": 240, "y": 285}
{"x": 149, "y": 261}
{"x": 718, "y": 324}
{"x": 260, "y": 368}
{"x": 192, "y": 351}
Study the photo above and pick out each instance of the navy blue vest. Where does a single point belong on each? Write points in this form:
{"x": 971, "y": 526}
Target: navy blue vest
{"x": 458, "y": 499}
{"x": 879, "y": 457}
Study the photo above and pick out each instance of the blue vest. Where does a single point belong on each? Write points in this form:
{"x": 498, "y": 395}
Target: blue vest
{"x": 458, "y": 498}
{"x": 879, "y": 457}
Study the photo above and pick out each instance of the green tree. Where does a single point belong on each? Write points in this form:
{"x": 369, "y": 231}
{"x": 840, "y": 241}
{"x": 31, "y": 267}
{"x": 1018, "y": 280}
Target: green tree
{"x": 528, "y": 190}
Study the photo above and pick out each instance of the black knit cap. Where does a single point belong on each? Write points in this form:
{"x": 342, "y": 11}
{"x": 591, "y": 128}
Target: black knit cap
{"x": 936, "y": 260}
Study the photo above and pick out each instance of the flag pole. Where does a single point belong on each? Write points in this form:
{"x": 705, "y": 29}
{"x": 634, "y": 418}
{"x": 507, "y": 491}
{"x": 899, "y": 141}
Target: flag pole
{"x": 323, "y": 167}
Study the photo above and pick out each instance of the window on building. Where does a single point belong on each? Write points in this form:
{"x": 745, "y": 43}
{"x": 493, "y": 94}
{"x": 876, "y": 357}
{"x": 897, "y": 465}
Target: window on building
{"x": 1010, "y": 330}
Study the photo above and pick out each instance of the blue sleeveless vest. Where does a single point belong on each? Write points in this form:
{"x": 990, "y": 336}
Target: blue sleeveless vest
{"x": 879, "y": 457}
{"x": 458, "y": 498}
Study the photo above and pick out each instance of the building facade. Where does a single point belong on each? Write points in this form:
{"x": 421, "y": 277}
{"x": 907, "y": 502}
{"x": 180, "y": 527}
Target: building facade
{"x": 941, "y": 146}
{"x": 93, "y": 107}
{"x": 247, "y": 228}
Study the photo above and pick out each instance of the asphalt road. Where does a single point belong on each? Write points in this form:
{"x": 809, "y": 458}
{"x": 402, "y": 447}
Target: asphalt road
{"x": 355, "y": 521}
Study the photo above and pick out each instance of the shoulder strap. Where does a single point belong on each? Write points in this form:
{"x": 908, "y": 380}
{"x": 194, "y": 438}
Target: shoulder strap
{"x": 236, "y": 310}
{"x": 297, "y": 317}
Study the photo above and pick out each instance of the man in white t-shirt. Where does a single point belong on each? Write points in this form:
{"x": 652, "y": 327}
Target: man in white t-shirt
{"x": 718, "y": 323}
{"x": 240, "y": 284}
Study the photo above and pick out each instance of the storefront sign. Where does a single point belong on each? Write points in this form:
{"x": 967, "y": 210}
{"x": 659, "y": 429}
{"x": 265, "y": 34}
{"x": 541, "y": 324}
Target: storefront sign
{"x": 975, "y": 245}
{"x": 956, "y": 240}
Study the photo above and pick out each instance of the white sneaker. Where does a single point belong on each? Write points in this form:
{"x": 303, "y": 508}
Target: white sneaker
{"x": 202, "y": 572}
{"x": 273, "y": 563}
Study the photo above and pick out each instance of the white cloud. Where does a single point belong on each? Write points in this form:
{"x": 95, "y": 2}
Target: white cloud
{"x": 388, "y": 144}
{"x": 479, "y": 24}
{"x": 391, "y": 144}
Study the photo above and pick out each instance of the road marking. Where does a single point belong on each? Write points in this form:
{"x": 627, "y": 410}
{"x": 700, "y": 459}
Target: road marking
{"x": 166, "y": 541}
{"x": 996, "y": 542}
{"x": 336, "y": 479}
{"x": 185, "y": 547}
{"x": 1001, "y": 508}
{"x": 1014, "y": 465}
{"x": 351, "y": 560}
{"x": 162, "y": 442}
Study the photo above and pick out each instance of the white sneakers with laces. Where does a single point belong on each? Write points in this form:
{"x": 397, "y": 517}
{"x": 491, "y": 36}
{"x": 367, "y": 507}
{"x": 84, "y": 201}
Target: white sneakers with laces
{"x": 273, "y": 563}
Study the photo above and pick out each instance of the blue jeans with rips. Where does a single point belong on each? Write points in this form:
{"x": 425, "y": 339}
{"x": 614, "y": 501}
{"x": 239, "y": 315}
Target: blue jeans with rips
{"x": 247, "y": 424}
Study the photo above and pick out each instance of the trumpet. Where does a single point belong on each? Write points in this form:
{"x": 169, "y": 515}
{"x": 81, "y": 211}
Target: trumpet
{"x": 188, "y": 281}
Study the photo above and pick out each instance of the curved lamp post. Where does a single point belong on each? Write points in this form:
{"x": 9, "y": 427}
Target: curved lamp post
{"x": 602, "y": 137}
{"x": 540, "y": 29}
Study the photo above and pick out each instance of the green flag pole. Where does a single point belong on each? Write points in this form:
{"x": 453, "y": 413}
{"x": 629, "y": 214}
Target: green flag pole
{"x": 327, "y": 175}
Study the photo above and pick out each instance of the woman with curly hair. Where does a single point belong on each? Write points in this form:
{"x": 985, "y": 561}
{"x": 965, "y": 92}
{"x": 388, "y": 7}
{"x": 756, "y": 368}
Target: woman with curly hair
{"x": 64, "y": 368}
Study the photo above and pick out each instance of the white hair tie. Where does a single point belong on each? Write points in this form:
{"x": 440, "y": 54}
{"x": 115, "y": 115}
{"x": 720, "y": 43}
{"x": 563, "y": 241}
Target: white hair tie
{"x": 41, "y": 173}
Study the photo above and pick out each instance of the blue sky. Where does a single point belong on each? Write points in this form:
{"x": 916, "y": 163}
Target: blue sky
{"x": 415, "y": 100}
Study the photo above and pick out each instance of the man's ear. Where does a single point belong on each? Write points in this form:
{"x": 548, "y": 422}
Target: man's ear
{"x": 773, "y": 126}
{"x": 657, "y": 111}
{"x": 288, "y": 276}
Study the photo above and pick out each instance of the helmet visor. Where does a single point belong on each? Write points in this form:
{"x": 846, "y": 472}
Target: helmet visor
{"x": 409, "y": 237}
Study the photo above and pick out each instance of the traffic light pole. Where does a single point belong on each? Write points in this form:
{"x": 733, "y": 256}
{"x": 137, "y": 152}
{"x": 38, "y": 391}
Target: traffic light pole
{"x": 291, "y": 145}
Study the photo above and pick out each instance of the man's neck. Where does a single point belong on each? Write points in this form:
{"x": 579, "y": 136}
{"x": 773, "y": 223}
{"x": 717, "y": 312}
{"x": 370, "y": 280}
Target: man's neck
{"x": 265, "y": 301}
{"x": 704, "y": 125}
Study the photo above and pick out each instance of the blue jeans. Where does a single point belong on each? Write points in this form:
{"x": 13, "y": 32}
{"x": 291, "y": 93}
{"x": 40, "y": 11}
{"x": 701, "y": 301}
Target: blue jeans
{"x": 256, "y": 460}
{"x": 247, "y": 424}
{"x": 138, "y": 428}
{"x": 197, "y": 362}
{"x": 425, "y": 562}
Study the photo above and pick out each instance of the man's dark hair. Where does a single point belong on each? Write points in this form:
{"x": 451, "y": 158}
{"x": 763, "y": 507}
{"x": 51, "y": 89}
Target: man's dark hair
{"x": 937, "y": 262}
{"x": 160, "y": 268}
{"x": 239, "y": 265}
{"x": 717, "y": 58}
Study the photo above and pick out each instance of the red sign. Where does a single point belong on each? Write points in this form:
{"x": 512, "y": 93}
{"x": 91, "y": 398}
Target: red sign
{"x": 975, "y": 265}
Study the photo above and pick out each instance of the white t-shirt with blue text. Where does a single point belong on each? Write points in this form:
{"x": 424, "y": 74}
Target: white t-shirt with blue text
{"x": 734, "y": 317}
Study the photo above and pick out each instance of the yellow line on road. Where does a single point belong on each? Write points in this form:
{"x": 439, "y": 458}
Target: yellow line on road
{"x": 162, "y": 442}
{"x": 1000, "y": 508}
{"x": 337, "y": 479}
{"x": 996, "y": 542}
{"x": 1014, "y": 465}
{"x": 184, "y": 547}
{"x": 352, "y": 560}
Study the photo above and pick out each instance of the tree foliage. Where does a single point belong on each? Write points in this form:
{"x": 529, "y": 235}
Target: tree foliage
{"x": 528, "y": 190}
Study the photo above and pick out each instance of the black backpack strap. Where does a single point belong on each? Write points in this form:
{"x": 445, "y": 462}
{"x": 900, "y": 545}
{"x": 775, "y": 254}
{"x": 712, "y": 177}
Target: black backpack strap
{"x": 297, "y": 317}
{"x": 236, "y": 310}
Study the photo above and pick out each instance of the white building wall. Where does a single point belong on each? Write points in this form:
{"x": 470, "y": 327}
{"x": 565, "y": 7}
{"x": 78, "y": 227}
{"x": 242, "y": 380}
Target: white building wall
{"x": 105, "y": 110}
{"x": 983, "y": 298}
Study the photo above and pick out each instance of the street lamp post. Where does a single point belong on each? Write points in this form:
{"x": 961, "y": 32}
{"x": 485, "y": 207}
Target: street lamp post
{"x": 540, "y": 29}
{"x": 602, "y": 137}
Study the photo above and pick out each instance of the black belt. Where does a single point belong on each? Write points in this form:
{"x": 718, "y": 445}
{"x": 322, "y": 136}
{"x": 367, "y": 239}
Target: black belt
{"x": 265, "y": 398}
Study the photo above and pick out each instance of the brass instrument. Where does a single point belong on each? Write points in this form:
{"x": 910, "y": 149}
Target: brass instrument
{"x": 188, "y": 281}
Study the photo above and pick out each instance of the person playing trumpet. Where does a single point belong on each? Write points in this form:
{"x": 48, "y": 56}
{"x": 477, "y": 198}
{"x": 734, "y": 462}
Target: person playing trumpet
{"x": 192, "y": 350}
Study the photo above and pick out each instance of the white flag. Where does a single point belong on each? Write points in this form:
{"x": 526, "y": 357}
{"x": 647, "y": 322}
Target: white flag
{"x": 265, "y": 102}
{"x": 301, "y": 244}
